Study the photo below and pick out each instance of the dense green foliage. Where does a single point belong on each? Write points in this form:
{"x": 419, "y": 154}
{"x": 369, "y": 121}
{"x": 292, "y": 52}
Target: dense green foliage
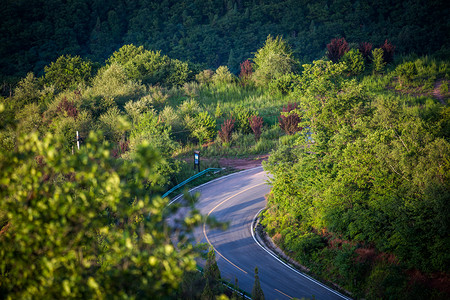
{"x": 360, "y": 145}
{"x": 213, "y": 32}
{"x": 362, "y": 196}
{"x": 84, "y": 225}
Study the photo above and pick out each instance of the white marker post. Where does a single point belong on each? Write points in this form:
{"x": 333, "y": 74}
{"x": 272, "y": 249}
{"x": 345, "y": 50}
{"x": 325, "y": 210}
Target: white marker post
{"x": 78, "y": 141}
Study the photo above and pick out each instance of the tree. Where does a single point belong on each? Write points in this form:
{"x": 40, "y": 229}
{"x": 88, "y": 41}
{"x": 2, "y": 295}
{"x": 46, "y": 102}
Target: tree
{"x": 149, "y": 129}
{"x": 257, "y": 292}
{"x": 246, "y": 70}
{"x": 202, "y": 126}
{"x": 378, "y": 62}
{"x": 211, "y": 271}
{"x": 222, "y": 76}
{"x": 366, "y": 50}
{"x": 225, "y": 130}
{"x": 354, "y": 61}
{"x": 84, "y": 225}
{"x": 388, "y": 52}
{"x": 68, "y": 71}
{"x": 336, "y": 49}
{"x": 207, "y": 293}
{"x": 273, "y": 60}
{"x": 256, "y": 123}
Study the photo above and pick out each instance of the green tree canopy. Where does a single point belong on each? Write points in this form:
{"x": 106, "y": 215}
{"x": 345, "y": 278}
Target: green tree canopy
{"x": 84, "y": 226}
{"x": 273, "y": 60}
{"x": 68, "y": 71}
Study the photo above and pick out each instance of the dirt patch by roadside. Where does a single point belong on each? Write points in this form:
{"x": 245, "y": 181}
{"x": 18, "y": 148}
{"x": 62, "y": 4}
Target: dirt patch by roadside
{"x": 243, "y": 163}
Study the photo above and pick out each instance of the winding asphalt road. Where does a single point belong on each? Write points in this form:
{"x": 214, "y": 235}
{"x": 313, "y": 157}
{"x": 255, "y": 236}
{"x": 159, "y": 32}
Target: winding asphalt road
{"x": 237, "y": 198}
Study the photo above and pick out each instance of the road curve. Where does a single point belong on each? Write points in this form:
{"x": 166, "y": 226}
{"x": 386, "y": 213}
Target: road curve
{"x": 236, "y": 199}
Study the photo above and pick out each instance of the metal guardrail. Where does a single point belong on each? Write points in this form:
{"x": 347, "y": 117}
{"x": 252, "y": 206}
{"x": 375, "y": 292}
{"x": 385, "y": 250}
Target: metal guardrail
{"x": 189, "y": 180}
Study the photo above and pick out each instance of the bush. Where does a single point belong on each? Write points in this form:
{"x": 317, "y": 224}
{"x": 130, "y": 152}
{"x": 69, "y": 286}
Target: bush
{"x": 189, "y": 108}
{"x": 246, "y": 70}
{"x": 222, "y": 76}
{"x": 226, "y": 130}
{"x": 366, "y": 50}
{"x": 283, "y": 85}
{"x": 28, "y": 90}
{"x": 336, "y": 49}
{"x": 111, "y": 124}
{"x": 443, "y": 89}
{"x": 151, "y": 67}
{"x": 289, "y": 120}
{"x": 205, "y": 77}
{"x": 378, "y": 62}
{"x": 242, "y": 115}
{"x": 354, "y": 61}
{"x": 406, "y": 72}
{"x": 202, "y": 126}
{"x": 256, "y": 123}
{"x": 388, "y": 52}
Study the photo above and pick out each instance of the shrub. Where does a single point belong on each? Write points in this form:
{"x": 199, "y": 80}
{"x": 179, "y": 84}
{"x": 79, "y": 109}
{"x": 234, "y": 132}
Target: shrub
{"x": 336, "y": 49}
{"x": 226, "y": 130}
{"x": 222, "y": 76}
{"x": 388, "y": 52}
{"x": 151, "y": 67}
{"x": 170, "y": 117}
{"x": 283, "y": 85}
{"x": 366, "y": 50}
{"x": 256, "y": 123}
{"x": 242, "y": 115}
{"x": 406, "y": 72}
{"x": 202, "y": 126}
{"x": 246, "y": 70}
{"x": 378, "y": 62}
{"x": 189, "y": 108}
{"x": 191, "y": 89}
{"x": 354, "y": 61}
{"x": 135, "y": 109}
{"x": 289, "y": 120}
{"x": 204, "y": 77}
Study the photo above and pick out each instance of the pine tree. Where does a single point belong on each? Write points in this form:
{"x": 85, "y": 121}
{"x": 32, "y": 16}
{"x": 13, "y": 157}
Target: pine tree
{"x": 257, "y": 292}
{"x": 211, "y": 272}
{"x": 207, "y": 293}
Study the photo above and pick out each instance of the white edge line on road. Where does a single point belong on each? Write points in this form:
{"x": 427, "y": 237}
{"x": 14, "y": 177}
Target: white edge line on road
{"x": 212, "y": 181}
{"x": 287, "y": 265}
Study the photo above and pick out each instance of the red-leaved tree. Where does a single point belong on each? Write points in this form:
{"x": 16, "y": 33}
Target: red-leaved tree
{"x": 388, "y": 52}
{"x": 289, "y": 120}
{"x": 67, "y": 107}
{"x": 246, "y": 70}
{"x": 226, "y": 129}
{"x": 366, "y": 50}
{"x": 256, "y": 123}
{"x": 337, "y": 48}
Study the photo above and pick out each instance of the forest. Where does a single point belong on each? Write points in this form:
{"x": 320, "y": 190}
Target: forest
{"x": 210, "y": 32}
{"x": 355, "y": 119}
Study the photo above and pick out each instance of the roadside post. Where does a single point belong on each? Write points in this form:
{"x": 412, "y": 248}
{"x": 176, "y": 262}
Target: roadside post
{"x": 197, "y": 160}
